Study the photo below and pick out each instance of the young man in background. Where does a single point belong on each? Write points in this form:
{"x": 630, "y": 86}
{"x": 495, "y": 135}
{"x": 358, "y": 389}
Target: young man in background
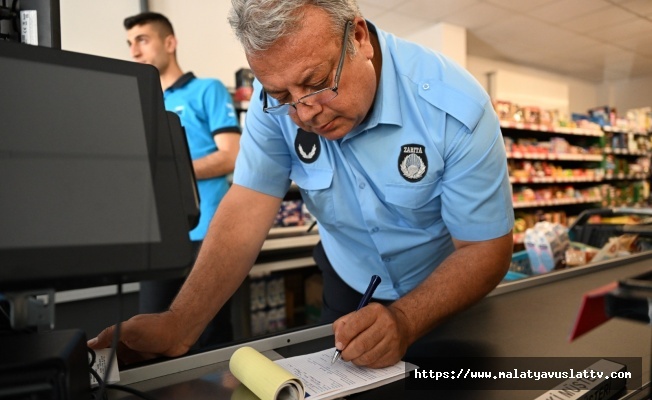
{"x": 206, "y": 111}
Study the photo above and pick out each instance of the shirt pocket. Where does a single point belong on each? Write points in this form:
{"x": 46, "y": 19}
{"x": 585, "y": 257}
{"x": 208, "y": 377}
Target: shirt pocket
{"x": 315, "y": 186}
{"x": 418, "y": 205}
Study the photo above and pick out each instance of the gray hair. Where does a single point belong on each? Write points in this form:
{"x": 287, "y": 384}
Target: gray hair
{"x": 258, "y": 24}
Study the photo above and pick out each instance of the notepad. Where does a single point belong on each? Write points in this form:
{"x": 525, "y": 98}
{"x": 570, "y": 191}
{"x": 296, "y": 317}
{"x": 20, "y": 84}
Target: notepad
{"x": 309, "y": 376}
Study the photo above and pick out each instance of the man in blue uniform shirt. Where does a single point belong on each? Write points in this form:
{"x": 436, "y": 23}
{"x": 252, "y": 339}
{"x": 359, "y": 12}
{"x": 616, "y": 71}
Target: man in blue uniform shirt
{"x": 206, "y": 111}
{"x": 397, "y": 152}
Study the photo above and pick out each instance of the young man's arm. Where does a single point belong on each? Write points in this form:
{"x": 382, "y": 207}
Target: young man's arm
{"x": 222, "y": 161}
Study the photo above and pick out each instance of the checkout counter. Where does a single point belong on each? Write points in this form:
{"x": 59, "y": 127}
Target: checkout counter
{"x": 528, "y": 318}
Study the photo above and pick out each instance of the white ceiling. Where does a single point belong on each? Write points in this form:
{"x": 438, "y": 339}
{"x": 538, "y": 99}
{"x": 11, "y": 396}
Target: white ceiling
{"x": 593, "y": 40}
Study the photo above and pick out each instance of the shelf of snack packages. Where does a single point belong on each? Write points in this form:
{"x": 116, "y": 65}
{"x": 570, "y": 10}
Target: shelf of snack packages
{"x": 598, "y": 235}
{"x": 562, "y": 130}
{"x": 293, "y": 227}
{"x": 600, "y": 159}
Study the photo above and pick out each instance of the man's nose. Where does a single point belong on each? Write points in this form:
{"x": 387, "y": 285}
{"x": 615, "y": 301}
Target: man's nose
{"x": 305, "y": 113}
{"x": 135, "y": 52}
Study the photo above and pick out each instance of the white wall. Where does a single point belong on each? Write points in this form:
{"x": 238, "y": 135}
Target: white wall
{"x": 627, "y": 94}
{"x": 582, "y": 95}
{"x": 448, "y": 39}
{"x": 529, "y": 90}
{"x": 207, "y": 45}
{"x": 95, "y": 27}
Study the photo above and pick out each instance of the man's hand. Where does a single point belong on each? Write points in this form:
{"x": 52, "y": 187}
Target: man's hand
{"x": 374, "y": 336}
{"x": 144, "y": 337}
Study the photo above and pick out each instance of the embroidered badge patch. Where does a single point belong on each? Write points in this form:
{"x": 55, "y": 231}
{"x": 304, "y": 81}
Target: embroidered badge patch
{"x": 412, "y": 162}
{"x": 307, "y": 146}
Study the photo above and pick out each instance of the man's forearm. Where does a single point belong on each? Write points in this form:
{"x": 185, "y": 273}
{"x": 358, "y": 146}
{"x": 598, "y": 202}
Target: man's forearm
{"x": 464, "y": 278}
{"x": 232, "y": 244}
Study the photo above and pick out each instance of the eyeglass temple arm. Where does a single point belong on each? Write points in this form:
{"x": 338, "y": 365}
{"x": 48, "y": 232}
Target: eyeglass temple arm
{"x": 341, "y": 63}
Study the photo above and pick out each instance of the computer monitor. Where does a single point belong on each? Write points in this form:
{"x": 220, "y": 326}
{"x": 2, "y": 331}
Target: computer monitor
{"x": 96, "y": 187}
{"x": 47, "y": 21}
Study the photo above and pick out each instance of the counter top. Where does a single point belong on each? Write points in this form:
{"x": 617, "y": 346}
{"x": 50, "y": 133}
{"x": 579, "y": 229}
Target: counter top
{"x": 520, "y": 320}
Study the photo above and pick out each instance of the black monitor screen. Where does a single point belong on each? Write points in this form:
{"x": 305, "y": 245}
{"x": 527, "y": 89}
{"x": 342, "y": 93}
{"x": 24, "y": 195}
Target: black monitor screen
{"x": 71, "y": 184}
{"x": 90, "y": 190}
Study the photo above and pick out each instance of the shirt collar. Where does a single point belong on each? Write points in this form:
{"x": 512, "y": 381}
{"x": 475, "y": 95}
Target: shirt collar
{"x": 182, "y": 81}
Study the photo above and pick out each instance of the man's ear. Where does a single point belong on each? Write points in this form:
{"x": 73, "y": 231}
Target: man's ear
{"x": 170, "y": 44}
{"x": 363, "y": 37}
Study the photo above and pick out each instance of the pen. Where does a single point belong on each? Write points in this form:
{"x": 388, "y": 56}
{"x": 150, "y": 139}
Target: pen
{"x": 375, "y": 280}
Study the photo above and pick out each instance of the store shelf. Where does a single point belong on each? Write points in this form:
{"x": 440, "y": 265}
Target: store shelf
{"x": 286, "y": 231}
{"x": 283, "y": 265}
{"x": 626, "y": 177}
{"x": 624, "y": 152}
{"x": 285, "y": 243}
{"x": 556, "y": 130}
{"x": 573, "y": 169}
{"x": 553, "y": 179}
{"x": 272, "y": 298}
{"x": 553, "y": 156}
{"x": 556, "y": 202}
{"x": 578, "y": 179}
{"x": 618, "y": 129}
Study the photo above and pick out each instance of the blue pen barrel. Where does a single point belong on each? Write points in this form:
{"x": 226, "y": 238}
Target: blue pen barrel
{"x": 375, "y": 281}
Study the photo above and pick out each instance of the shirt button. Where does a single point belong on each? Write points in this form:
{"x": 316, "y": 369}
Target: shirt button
{"x": 376, "y": 229}
{"x": 426, "y": 86}
{"x": 362, "y": 185}
{"x": 387, "y": 259}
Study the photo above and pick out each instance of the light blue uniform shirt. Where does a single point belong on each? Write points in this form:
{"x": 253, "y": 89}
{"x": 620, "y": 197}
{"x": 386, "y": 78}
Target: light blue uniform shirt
{"x": 205, "y": 109}
{"x": 428, "y": 164}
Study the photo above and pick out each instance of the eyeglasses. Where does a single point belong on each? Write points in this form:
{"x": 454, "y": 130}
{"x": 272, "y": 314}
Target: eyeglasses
{"x": 321, "y": 96}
